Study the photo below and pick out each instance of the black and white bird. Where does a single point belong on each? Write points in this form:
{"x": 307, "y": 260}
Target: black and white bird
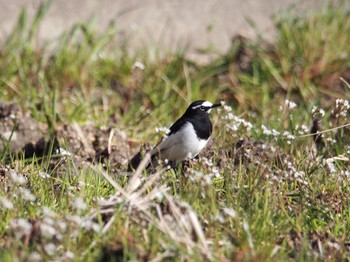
{"x": 187, "y": 137}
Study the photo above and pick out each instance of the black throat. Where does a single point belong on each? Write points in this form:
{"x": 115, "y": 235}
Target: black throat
{"x": 202, "y": 126}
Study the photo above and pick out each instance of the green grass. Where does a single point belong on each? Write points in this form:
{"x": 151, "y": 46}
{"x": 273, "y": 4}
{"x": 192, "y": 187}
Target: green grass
{"x": 278, "y": 199}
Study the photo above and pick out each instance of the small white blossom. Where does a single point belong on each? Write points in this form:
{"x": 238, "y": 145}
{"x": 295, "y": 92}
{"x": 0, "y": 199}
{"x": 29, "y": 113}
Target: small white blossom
{"x": 44, "y": 174}
{"x": 138, "y": 65}
{"x": 34, "y": 257}
{"x": 334, "y": 245}
{"x": 75, "y": 219}
{"x": 63, "y": 152}
{"x": 288, "y": 135}
{"x": 90, "y": 225}
{"x": 275, "y": 132}
{"x": 304, "y": 129}
{"x": 219, "y": 218}
{"x": 342, "y": 106}
{"x": 50, "y": 249}
{"x": 230, "y": 211}
{"x": 79, "y": 203}
{"x": 227, "y": 108}
{"x": 47, "y": 212}
{"x": 290, "y": 104}
{"x": 266, "y": 131}
{"x": 331, "y": 140}
{"x": 17, "y": 178}
{"x": 27, "y": 194}
{"x": 318, "y": 111}
{"x": 62, "y": 226}
{"x": 207, "y": 161}
{"x": 49, "y": 221}
{"x": 7, "y": 204}
{"x": 162, "y": 129}
{"x": 208, "y": 179}
{"x": 234, "y": 122}
{"x": 47, "y": 231}
{"x": 69, "y": 255}
{"x": 329, "y": 163}
{"x": 21, "y": 227}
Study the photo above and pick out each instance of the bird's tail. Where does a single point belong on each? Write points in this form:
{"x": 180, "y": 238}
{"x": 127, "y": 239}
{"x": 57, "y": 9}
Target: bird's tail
{"x": 136, "y": 160}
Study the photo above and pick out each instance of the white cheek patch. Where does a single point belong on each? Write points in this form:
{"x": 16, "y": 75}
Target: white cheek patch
{"x": 205, "y": 104}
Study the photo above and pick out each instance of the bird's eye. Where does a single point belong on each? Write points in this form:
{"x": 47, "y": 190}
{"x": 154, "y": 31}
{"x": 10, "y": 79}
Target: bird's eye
{"x": 202, "y": 108}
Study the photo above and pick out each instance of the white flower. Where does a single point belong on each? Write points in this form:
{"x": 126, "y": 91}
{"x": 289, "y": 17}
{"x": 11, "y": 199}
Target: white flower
{"x": 304, "y": 129}
{"x": 318, "y": 111}
{"x": 6, "y": 203}
{"x": 330, "y": 165}
{"x": 90, "y": 225}
{"x": 290, "y": 104}
{"x": 334, "y": 245}
{"x": 288, "y": 135}
{"x": 44, "y": 174}
{"x": 207, "y": 161}
{"x": 219, "y": 218}
{"x": 235, "y": 122}
{"x": 275, "y": 132}
{"x": 69, "y": 255}
{"x": 207, "y": 179}
{"x": 21, "y": 227}
{"x": 75, "y": 219}
{"x": 50, "y": 249}
{"x": 47, "y": 212}
{"x": 227, "y": 108}
{"x": 162, "y": 129}
{"x": 138, "y": 65}
{"x": 49, "y": 221}
{"x": 79, "y": 203}
{"x": 342, "y": 106}
{"x": 16, "y": 178}
{"x": 266, "y": 131}
{"x": 230, "y": 211}
{"x": 62, "y": 226}
{"x": 63, "y": 152}
{"x": 47, "y": 231}
{"x": 27, "y": 195}
{"x": 34, "y": 257}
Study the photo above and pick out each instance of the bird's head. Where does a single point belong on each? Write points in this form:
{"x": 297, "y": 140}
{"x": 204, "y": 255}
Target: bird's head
{"x": 201, "y": 107}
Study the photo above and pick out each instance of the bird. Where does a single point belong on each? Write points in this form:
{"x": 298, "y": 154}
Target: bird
{"x": 185, "y": 140}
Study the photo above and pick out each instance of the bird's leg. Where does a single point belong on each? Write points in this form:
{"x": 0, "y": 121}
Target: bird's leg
{"x": 173, "y": 165}
{"x": 180, "y": 168}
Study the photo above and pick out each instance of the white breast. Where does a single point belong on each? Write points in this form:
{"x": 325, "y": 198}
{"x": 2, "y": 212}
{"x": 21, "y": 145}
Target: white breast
{"x": 182, "y": 145}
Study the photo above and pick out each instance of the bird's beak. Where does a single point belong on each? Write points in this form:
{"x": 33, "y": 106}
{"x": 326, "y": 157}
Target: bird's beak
{"x": 216, "y": 105}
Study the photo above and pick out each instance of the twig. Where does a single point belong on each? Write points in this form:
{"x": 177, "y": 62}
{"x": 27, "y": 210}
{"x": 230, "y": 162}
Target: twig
{"x": 324, "y": 131}
{"x": 111, "y": 134}
{"x": 135, "y": 181}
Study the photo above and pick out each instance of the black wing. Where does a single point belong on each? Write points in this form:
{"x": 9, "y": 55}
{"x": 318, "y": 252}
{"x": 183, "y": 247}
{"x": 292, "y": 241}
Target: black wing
{"x": 177, "y": 125}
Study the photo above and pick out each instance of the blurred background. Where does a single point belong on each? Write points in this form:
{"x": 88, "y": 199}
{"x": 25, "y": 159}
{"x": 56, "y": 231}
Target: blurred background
{"x": 195, "y": 25}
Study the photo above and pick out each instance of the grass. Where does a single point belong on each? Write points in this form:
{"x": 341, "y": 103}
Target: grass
{"x": 264, "y": 190}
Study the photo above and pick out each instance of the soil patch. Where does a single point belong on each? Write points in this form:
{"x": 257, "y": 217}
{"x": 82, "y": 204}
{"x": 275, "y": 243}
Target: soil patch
{"x": 23, "y": 135}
